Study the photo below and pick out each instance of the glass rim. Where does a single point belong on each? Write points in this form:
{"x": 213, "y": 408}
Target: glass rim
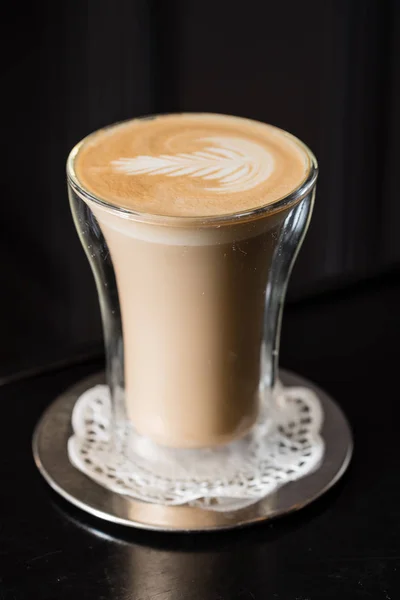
{"x": 251, "y": 214}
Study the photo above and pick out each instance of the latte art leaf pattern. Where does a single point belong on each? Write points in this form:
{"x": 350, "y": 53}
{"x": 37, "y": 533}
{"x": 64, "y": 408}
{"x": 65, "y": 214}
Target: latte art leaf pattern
{"x": 236, "y": 164}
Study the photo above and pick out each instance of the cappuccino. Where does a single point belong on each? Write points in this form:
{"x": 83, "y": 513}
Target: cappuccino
{"x": 181, "y": 201}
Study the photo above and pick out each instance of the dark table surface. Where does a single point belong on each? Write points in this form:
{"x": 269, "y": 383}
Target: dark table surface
{"x": 346, "y": 545}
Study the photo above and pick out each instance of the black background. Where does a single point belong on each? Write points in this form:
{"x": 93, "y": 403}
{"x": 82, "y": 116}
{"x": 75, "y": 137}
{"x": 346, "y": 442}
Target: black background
{"x": 326, "y": 71}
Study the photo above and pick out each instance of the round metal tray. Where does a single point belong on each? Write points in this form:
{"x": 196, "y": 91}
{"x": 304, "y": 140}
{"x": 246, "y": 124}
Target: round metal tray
{"x": 50, "y": 453}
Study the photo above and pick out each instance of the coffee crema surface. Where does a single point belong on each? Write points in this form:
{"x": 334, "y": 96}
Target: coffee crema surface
{"x": 191, "y": 165}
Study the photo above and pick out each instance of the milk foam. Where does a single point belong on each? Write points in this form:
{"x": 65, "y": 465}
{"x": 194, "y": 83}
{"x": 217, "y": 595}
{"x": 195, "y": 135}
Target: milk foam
{"x": 237, "y": 165}
{"x": 191, "y": 165}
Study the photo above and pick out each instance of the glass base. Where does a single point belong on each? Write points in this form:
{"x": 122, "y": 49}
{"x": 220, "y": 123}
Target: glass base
{"x": 284, "y": 445}
{"x": 51, "y": 455}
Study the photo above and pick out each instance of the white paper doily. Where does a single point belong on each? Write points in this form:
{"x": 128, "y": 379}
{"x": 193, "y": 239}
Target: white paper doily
{"x": 284, "y": 445}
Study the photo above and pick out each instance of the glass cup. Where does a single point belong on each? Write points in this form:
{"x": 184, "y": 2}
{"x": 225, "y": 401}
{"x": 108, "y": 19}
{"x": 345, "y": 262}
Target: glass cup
{"x": 191, "y": 310}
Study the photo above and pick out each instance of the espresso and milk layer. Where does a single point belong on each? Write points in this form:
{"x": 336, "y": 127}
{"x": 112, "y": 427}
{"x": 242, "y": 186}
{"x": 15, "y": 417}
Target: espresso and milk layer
{"x": 191, "y": 165}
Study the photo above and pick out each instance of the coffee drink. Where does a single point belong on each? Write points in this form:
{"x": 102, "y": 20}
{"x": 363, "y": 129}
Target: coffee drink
{"x": 191, "y": 165}
{"x": 190, "y": 208}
